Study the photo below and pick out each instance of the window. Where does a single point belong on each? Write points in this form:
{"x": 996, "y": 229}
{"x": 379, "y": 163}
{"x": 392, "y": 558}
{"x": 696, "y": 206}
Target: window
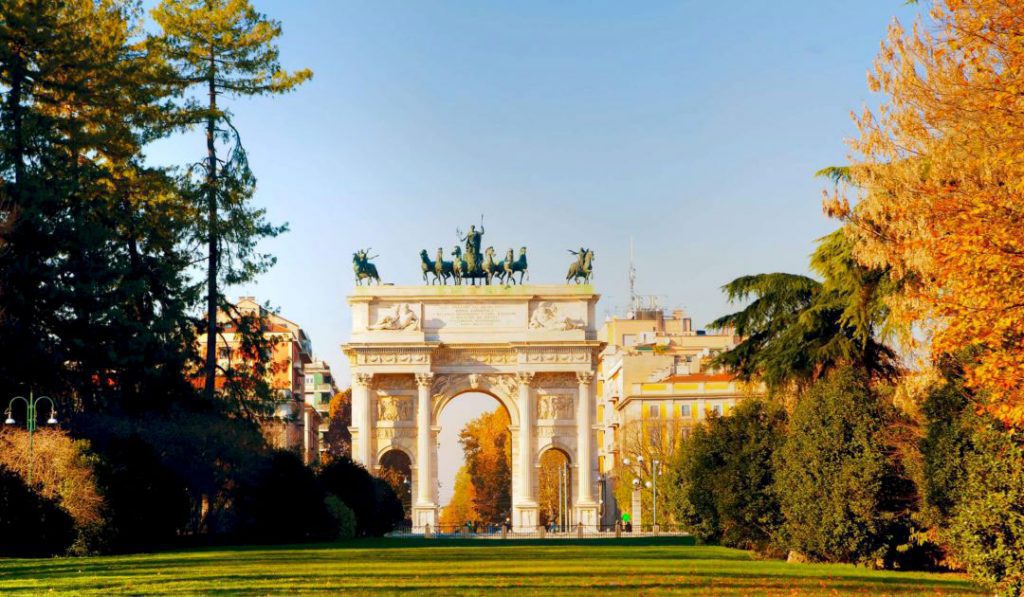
{"x": 325, "y": 397}
{"x": 653, "y": 411}
{"x": 310, "y": 380}
{"x": 224, "y": 352}
{"x": 684, "y": 410}
{"x": 717, "y": 409}
{"x": 327, "y": 378}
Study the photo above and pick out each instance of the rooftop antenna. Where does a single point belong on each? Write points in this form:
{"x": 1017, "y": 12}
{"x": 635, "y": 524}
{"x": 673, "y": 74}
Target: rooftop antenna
{"x": 634, "y": 300}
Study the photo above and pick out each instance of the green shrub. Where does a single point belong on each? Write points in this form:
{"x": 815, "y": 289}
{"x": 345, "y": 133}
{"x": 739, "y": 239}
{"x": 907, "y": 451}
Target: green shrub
{"x": 344, "y": 517}
{"x": 844, "y": 494}
{"x": 31, "y": 525}
{"x": 147, "y": 505}
{"x": 378, "y": 510}
{"x": 722, "y": 479}
{"x": 281, "y": 503}
{"x": 987, "y": 524}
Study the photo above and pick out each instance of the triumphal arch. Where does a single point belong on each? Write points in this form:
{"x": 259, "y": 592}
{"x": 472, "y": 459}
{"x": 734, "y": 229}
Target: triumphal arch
{"x": 534, "y": 348}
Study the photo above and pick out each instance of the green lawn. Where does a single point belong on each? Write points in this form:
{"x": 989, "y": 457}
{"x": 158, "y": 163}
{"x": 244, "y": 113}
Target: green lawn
{"x": 454, "y": 566}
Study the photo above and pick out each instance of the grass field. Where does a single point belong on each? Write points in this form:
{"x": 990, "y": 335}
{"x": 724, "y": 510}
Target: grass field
{"x": 463, "y": 567}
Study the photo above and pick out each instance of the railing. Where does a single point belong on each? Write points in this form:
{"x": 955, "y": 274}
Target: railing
{"x": 578, "y": 531}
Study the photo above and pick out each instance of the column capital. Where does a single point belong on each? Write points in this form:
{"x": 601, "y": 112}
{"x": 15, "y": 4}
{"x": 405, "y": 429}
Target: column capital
{"x": 525, "y": 378}
{"x": 585, "y": 377}
{"x": 362, "y": 379}
{"x": 424, "y": 380}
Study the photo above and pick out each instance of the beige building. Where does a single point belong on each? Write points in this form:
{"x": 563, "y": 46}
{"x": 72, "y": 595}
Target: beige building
{"x": 293, "y": 425}
{"x": 654, "y": 386}
{"x": 319, "y": 389}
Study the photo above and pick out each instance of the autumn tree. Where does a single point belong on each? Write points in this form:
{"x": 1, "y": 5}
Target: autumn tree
{"x": 461, "y": 507}
{"x": 218, "y": 48}
{"x": 937, "y": 195}
{"x": 338, "y": 438}
{"x": 488, "y": 448}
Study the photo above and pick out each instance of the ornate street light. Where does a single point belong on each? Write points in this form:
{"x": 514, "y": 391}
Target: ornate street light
{"x": 31, "y": 403}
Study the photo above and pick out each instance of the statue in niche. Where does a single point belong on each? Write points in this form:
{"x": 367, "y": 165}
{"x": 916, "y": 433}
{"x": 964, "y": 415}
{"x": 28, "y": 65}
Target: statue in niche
{"x": 402, "y": 317}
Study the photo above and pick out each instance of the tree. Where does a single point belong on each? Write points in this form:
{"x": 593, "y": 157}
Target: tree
{"x": 461, "y": 507}
{"x": 842, "y": 489}
{"x": 338, "y": 439}
{"x": 487, "y": 445}
{"x": 224, "y": 47}
{"x": 723, "y": 478}
{"x": 92, "y": 272}
{"x": 987, "y": 523}
{"x": 797, "y": 329}
{"x": 937, "y": 200}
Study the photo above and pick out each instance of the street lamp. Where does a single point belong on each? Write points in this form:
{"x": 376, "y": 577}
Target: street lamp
{"x": 30, "y": 420}
{"x": 654, "y": 476}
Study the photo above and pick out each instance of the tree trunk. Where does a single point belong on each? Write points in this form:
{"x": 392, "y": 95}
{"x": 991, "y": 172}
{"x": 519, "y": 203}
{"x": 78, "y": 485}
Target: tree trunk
{"x": 211, "y": 268}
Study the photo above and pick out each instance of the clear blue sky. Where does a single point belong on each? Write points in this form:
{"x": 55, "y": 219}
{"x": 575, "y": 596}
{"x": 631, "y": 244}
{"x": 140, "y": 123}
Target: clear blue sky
{"x": 695, "y": 127}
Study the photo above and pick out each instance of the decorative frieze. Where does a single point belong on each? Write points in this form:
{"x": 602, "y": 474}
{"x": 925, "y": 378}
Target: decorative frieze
{"x": 389, "y": 356}
{"x": 556, "y": 381}
{"x": 468, "y": 357}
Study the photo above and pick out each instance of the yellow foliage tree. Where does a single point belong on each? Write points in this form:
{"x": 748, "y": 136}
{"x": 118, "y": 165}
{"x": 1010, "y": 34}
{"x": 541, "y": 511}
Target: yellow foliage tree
{"x": 460, "y": 509}
{"x": 941, "y": 181}
{"x": 62, "y": 470}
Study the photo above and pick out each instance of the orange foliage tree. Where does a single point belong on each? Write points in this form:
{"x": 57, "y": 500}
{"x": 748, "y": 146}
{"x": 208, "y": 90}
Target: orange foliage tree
{"x": 337, "y": 438}
{"x": 460, "y": 509}
{"x": 483, "y": 485}
{"x": 940, "y": 180}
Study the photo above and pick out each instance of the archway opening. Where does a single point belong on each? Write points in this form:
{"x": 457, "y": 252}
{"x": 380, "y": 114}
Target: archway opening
{"x": 554, "y": 490}
{"x": 396, "y": 469}
{"x": 474, "y": 462}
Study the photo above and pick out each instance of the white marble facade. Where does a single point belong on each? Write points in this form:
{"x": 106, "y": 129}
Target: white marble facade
{"x": 533, "y": 348}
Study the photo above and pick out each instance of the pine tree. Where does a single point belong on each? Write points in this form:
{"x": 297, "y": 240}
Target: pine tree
{"x": 224, "y": 47}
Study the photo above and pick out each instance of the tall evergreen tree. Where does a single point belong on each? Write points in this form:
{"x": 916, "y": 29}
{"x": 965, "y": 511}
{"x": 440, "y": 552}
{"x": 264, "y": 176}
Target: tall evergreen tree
{"x": 224, "y": 47}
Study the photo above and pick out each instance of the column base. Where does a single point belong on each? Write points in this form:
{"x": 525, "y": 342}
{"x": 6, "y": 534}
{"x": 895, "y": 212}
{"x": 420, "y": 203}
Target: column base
{"x": 588, "y": 515}
{"x": 525, "y": 517}
{"x": 422, "y": 515}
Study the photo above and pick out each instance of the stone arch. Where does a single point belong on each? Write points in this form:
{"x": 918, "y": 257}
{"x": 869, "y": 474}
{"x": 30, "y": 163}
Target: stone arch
{"x": 556, "y": 445}
{"x": 465, "y": 384}
{"x": 393, "y": 446}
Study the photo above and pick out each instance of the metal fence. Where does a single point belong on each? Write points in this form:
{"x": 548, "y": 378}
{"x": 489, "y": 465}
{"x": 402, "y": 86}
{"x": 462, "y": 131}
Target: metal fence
{"x": 579, "y": 531}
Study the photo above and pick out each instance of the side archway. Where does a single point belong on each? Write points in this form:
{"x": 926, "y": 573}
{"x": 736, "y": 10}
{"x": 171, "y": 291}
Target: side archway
{"x": 555, "y": 487}
{"x": 395, "y": 467}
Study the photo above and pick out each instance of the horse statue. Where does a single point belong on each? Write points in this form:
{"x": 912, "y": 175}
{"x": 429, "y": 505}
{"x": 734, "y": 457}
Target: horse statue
{"x": 364, "y": 270}
{"x": 490, "y": 267}
{"x": 442, "y": 269}
{"x": 582, "y": 267}
{"x": 458, "y": 266}
{"x": 427, "y": 266}
{"x": 511, "y": 265}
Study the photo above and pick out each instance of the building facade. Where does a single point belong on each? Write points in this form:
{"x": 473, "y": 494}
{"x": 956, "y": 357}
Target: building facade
{"x": 293, "y": 425}
{"x": 320, "y": 388}
{"x": 654, "y": 386}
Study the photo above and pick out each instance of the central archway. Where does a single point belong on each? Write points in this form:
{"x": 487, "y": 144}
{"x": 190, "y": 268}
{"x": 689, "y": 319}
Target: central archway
{"x": 474, "y": 446}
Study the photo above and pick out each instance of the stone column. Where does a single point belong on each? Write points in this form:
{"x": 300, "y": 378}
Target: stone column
{"x": 425, "y": 510}
{"x": 423, "y": 385}
{"x": 586, "y": 512}
{"x": 361, "y": 418}
{"x": 525, "y": 507}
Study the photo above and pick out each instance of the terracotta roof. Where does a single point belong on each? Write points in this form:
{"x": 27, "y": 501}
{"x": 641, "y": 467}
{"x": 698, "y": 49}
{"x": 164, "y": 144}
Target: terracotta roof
{"x": 699, "y": 377}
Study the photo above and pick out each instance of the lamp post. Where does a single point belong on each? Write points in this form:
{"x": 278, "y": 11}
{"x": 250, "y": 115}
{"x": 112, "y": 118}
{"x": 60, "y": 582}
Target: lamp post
{"x": 654, "y": 476}
{"x": 30, "y": 420}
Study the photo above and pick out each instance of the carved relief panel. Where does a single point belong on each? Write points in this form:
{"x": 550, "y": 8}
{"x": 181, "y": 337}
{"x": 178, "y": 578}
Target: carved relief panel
{"x": 394, "y": 408}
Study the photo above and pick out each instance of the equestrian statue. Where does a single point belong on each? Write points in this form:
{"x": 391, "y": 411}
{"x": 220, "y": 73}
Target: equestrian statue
{"x": 582, "y": 267}
{"x": 363, "y": 268}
